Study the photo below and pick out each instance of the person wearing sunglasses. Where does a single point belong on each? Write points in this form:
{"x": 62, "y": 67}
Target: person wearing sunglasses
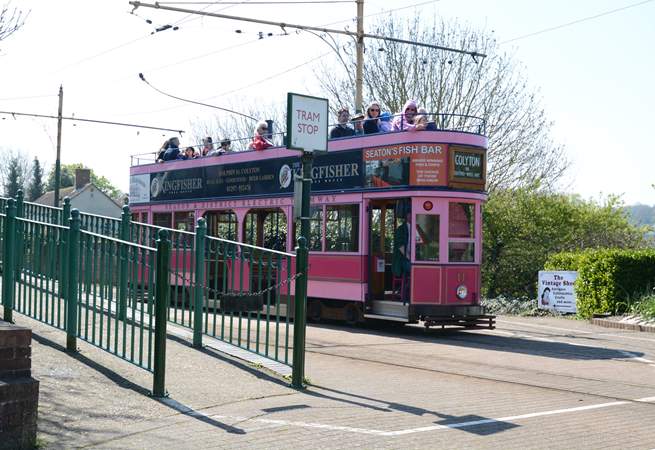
{"x": 405, "y": 121}
{"x": 259, "y": 141}
{"x": 372, "y": 122}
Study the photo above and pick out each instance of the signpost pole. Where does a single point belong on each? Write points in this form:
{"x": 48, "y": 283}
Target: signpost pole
{"x": 300, "y": 298}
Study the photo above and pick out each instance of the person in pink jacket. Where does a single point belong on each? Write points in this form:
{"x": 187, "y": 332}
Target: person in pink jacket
{"x": 259, "y": 141}
{"x": 406, "y": 120}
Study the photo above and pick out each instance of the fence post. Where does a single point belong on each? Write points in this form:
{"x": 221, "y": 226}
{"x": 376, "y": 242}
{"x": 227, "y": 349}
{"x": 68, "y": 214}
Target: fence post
{"x": 299, "y": 319}
{"x": 73, "y": 251}
{"x": 122, "y": 275}
{"x": 201, "y": 232}
{"x": 162, "y": 299}
{"x": 9, "y": 258}
{"x": 18, "y": 246}
{"x": 63, "y": 257}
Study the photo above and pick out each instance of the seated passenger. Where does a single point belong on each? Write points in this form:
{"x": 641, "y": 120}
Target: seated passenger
{"x": 207, "y": 146}
{"x": 421, "y": 120}
{"x": 172, "y": 149}
{"x": 259, "y": 141}
{"x": 189, "y": 153}
{"x": 225, "y": 146}
{"x": 358, "y": 124}
{"x": 405, "y": 120}
{"x": 162, "y": 151}
{"x": 385, "y": 124}
{"x": 342, "y": 129}
{"x": 372, "y": 123}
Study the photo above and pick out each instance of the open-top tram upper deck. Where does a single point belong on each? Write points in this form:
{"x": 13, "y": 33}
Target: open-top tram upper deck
{"x": 362, "y": 190}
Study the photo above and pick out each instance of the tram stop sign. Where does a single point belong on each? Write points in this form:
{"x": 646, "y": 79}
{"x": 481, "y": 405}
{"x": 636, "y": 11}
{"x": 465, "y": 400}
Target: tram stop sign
{"x": 307, "y": 122}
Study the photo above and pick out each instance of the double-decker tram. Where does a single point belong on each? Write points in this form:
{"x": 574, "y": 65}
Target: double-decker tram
{"x": 396, "y": 224}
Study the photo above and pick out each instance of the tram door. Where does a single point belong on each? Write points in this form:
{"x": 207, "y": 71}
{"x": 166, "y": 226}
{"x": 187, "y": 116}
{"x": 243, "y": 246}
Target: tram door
{"x": 382, "y": 224}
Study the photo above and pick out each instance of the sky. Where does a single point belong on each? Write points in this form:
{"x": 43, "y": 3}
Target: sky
{"x": 594, "y": 77}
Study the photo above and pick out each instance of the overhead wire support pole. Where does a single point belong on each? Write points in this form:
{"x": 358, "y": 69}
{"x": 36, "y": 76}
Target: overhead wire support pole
{"x": 58, "y": 160}
{"x": 284, "y": 25}
{"x": 359, "y": 76}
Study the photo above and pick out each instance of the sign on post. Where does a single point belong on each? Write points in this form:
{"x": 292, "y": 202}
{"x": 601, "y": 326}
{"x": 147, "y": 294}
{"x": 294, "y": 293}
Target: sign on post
{"x": 307, "y": 122}
{"x": 556, "y": 292}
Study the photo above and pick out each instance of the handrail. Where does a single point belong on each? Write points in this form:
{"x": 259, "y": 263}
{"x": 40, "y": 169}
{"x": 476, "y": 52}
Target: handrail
{"x": 120, "y": 241}
{"x": 437, "y": 117}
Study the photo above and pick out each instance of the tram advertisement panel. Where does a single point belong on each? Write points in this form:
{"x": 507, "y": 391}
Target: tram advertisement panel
{"x": 406, "y": 164}
{"x": 275, "y": 176}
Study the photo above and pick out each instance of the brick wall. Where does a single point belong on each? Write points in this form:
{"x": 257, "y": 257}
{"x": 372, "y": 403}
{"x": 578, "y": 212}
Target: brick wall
{"x": 19, "y": 392}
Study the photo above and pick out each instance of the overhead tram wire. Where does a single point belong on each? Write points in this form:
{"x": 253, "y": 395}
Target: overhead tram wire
{"x": 80, "y": 119}
{"x": 386, "y": 11}
{"x": 290, "y": 2}
{"x": 575, "y": 22}
{"x": 143, "y": 78}
{"x": 283, "y": 25}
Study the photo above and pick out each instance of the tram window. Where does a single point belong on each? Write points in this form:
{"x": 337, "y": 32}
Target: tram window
{"x": 183, "y": 221}
{"x": 461, "y": 251}
{"x": 222, "y": 224}
{"x": 461, "y": 231}
{"x": 427, "y": 237}
{"x": 266, "y": 228}
{"x": 162, "y": 219}
{"x": 342, "y": 228}
{"x": 315, "y": 229}
{"x": 135, "y": 216}
{"x": 144, "y": 217}
{"x": 462, "y": 220}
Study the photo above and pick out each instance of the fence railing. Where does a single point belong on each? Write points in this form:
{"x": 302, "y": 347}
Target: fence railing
{"x": 97, "y": 288}
{"x": 238, "y": 293}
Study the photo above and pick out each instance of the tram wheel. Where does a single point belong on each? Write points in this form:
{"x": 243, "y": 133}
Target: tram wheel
{"x": 314, "y": 308}
{"x": 352, "y": 314}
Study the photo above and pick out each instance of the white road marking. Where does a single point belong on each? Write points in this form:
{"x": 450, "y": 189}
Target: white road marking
{"x": 544, "y": 326}
{"x": 435, "y": 427}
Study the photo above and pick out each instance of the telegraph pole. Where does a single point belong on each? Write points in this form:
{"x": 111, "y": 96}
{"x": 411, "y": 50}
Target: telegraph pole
{"x": 58, "y": 162}
{"x": 360, "y": 57}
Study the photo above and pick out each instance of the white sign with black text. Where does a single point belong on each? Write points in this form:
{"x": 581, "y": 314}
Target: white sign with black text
{"x": 307, "y": 122}
{"x": 556, "y": 292}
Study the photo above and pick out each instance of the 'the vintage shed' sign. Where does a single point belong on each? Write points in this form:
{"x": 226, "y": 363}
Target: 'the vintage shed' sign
{"x": 556, "y": 291}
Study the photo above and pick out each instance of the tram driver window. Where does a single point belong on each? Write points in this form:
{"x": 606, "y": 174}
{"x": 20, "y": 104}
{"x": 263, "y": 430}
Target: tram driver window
{"x": 427, "y": 237}
{"x": 222, "y": 224}
{"x": 342, "y": 228}
{"x": 183, "y": 221}
{"x": 461, "y": 232}
{"x": 266, "y": 228}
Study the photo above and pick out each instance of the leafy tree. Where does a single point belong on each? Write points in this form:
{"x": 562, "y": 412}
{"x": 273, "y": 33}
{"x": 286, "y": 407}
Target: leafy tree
{"x": 522, "y": 227}
{"x": 35, "y": 188}
{"x": 521, "y": 151}
{"x": 14, "y": 177}
{"x": 68, "y": 179}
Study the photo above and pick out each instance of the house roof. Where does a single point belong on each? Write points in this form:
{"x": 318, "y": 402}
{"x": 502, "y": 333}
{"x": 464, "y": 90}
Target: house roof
{"x": 70, "y": 192}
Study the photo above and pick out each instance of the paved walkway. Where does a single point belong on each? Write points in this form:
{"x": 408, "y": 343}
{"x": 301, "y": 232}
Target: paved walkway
{"x": 532, "y": 383}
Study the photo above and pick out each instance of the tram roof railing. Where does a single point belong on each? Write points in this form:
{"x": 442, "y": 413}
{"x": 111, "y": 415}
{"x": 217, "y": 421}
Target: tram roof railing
{"x": 442, "y": 122}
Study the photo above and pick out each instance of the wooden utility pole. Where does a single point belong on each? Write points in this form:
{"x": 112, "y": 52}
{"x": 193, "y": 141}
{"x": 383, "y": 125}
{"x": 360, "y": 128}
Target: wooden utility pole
{"x": 359, "y": 81}
{"x": 58, "y": 162}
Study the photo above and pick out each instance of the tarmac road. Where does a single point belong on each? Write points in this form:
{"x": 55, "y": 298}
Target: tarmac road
{"x": 531, "y": 383}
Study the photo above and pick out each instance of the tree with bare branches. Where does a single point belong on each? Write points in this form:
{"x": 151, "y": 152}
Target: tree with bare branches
{"x": 521, "y": 151}
{"x": 11, "y": 19}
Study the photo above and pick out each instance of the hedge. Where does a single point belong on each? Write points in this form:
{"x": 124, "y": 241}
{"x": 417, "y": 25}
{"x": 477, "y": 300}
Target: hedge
{"x": 608, "y": 279}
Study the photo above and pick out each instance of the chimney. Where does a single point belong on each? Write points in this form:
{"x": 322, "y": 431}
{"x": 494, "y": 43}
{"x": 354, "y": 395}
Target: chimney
{"x": 82, "y": 178}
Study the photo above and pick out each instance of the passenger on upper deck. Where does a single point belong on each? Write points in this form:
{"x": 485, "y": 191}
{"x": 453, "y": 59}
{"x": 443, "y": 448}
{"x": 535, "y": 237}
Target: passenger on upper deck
{"x": 189, "y": 153}
{"x": 373, "y": 123}
{"x": 207, "y": 147}
{"x": 259, "y": 142}
{"x": 405, "y": 120}
{"x": 172, "y": 149}
{"x": 342, "y": 129}
{"x": 421, "y": 119}
{"x": 358, "y": 124}
{"x": 225, "y": 146}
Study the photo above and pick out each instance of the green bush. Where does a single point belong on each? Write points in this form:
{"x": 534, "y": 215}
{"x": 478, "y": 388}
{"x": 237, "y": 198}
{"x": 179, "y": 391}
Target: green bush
{"x": 645, "y": 307}
{"x": 523, "y": 226}
{"x": 608, "y": 279}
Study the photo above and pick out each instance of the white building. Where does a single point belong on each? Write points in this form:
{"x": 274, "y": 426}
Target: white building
{"x": 84, "y": 196}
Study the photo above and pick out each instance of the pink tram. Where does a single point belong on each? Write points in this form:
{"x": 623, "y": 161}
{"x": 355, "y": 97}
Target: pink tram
{"x": 362, "y": 190}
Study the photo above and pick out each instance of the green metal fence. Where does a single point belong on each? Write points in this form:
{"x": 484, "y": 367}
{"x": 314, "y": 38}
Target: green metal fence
{"x": 238, "y": 293}
{"x": 109, "y": 292}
